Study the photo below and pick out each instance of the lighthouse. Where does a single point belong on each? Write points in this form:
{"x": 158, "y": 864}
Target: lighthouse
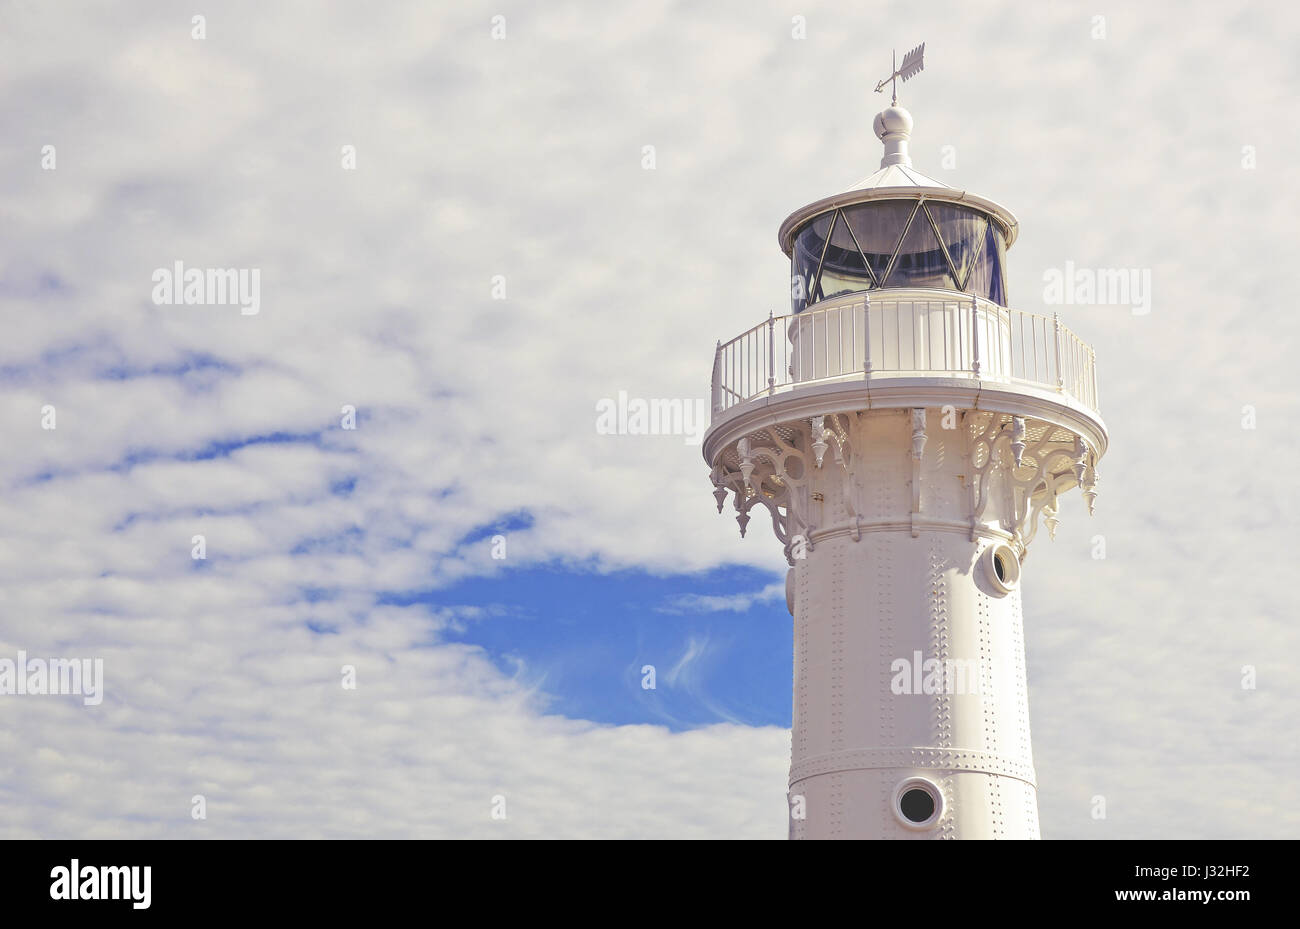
{"x": 907, "y": 430}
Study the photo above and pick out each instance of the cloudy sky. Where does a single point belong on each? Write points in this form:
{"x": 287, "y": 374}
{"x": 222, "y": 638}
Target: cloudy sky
{"x": 500, "y": 259}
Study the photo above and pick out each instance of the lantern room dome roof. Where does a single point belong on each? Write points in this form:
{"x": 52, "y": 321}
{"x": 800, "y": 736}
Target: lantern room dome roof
{"x": 897, "y": 176}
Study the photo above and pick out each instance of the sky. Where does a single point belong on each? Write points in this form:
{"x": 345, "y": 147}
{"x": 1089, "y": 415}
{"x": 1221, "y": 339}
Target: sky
{"x": 472, "y": 224}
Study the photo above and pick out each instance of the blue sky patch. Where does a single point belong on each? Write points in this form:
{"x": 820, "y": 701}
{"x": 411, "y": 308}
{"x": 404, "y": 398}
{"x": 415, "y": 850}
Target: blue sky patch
{"x": 583, "y": 638}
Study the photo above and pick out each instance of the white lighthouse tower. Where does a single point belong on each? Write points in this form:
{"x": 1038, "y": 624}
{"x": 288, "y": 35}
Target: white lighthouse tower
{"x": 907, "y": 431}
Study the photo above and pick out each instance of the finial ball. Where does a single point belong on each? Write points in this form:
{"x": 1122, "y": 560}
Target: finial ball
{"x": 893, "y": 119}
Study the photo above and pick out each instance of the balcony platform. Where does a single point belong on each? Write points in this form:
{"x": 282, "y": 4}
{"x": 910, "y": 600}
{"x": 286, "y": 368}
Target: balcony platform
{"x": 897, "y": 349}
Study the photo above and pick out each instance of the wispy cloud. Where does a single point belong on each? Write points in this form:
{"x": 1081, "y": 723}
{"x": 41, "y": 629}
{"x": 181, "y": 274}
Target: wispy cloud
{"x": 716, "y": 603}
{"x": 687, "y": 665}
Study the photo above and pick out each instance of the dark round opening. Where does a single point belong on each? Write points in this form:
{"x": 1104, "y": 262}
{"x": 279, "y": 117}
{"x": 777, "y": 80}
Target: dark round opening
{"x": 917, "y": 804}
{"x": 999, "y": 568}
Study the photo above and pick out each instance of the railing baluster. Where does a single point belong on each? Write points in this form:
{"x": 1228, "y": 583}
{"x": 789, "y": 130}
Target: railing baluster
{"x": 853, "y": 334}
{"x": 1034, "y": 338}
{"x": 826, "y": 346}
{"x": 1011, "y": 344}
{"x": 897, "y": 317}
{"x": 839, "y": 328}
{"x": 918, "y": 323}
{"x": 949, "y": 320}
{"x": 959, "y": 362}
{"x": 785, "y": 354}
{"x": 1056, "y": 345}
{"x": 812, "y": 346}
{"x": 771, "y": 352}
{"x": 1096, "y": 404}
{"x": 1024, "y": 356}
{"x": 1031, "y": 353}
{"x": 866, "y": 335}
{"x": 1047, "y": 359}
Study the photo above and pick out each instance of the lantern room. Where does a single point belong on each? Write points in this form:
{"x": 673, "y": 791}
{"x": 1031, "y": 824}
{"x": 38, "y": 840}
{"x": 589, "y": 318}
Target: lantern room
{"x": 897, "y": 229}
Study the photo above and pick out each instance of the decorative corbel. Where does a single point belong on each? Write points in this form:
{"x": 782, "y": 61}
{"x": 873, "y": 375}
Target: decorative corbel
{"x": 819, "y": 445}
{"x": 746, "y": 463}
{"x": 719, "y": 488}
{"x": 1018, "y": 438}
{"x": 918, "y": 433}
{"x": 1080, "y": 458}
{"x": 1090, "y": 488}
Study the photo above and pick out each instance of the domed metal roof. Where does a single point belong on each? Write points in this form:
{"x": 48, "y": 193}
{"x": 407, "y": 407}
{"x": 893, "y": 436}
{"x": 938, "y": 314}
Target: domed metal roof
{"x": 897, "y": 176}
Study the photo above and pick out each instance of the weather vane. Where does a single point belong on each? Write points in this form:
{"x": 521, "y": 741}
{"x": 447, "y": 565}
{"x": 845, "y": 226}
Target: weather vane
{"x": 913, "y": 62}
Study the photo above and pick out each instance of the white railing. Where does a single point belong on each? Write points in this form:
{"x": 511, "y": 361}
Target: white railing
{"x": 879, "y": 337}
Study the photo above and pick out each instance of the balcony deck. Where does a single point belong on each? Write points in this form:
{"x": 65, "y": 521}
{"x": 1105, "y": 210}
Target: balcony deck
{"x": 908, "y": 347}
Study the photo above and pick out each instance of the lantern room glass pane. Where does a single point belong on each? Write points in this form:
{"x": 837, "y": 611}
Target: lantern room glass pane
{"x": 807, "y": 254}
{"x": 920, "y": 261}
{"x": 878, "y": 227}
{"x": 988, "y": 273}
{"x": 844, "y": 269}
{"x": 963, "y": 233}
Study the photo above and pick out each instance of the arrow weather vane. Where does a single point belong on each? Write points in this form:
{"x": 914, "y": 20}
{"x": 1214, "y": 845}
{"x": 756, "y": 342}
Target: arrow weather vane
{"x": 913, "y": 62}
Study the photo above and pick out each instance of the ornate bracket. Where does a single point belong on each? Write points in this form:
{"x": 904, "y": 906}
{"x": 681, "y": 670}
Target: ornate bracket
{"x": 1021, "y": 464}
{"x": 1030, "y": 475}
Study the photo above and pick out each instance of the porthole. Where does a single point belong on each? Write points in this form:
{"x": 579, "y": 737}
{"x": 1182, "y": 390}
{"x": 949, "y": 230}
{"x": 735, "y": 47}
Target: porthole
{"x": 918, "y": 803}
{"x": 1002, "y": 565}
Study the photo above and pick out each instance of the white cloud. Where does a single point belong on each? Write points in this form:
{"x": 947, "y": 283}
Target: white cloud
{"x": 736, "y": 603}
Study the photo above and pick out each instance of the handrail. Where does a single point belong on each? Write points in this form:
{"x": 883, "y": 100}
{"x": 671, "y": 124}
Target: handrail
{"x": 876, "y": 337}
